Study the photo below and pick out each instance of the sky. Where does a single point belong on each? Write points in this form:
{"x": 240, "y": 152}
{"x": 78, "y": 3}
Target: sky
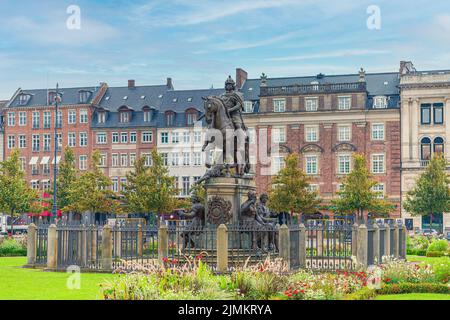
{"x": 200, "y": 42}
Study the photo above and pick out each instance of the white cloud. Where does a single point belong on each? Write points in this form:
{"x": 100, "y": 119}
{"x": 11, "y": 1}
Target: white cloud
{"x": 331, "y": 54}
{"x": 236, "y": 45}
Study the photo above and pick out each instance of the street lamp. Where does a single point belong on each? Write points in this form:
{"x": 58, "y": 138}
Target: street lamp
{"x": 55, "y": 168}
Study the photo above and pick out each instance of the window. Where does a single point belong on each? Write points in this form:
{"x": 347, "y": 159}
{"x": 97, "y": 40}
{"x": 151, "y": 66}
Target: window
{"x": 101, "y": 117}
{"x": 125, "y": 116}
{"x": 311, "y": 104}
{"x": 22, "y": 141}
{"x": 425, "y": 114}
{"x": 133, "y": 137}
{"x": 124, "y": 160}
{"x": 279, "y": 105}
{"x": 103, "y": 160}
{"x": 115, "y": 184}
{"x": 22, "y": 118}
{"x": 425, "y": 149}
{"x": 36, "y": 142}
{"x": 196, "y": 178}
{"x": 197, "y": 158}
{"x": 380, "y": 102}
{"x": 35, "y": 184}
{"x": 379, "y": 189}
{"x": 175, "y": 159}
{"x": 147, "y": 116}
{"x": 378, "y": 163}
{"x": 164, "y": 137}
{"x": 59, "y": 119}
{"x": 115, "y": 137}
{"x": 279, "y": 135}
{"x": 175, "y": 137}
{"x": 59, "y": 139}
{"x": 438, "y": 113}
{"x": 186, "y": 186}
{"x": 148, "y": 159}
{"x": 169, "y": 119}
{"x": 83, "y": 96}
{"x": 344, "y": 133}
{"x": 47, "y": 139}
{"x": 83, "y": 116}
{"x": 11, "y": 142}
{"x": 36, "y": 119}
{"x": 344, "y": 103}
{"x": 438, "y": 145}
{"x": 114, "y": 160}
{"x": 11, "y": 119}
{"x": 46, "y": 168}
{"x": 132, "y": 159}
{"x": 197, "y": 137}
{"x": 378, "y": 131}
{"x": 72, "y": 139}
{"x": 313, "y": 188}
{"x": 311, "y": 164}
{"x": 124, "y": 137}
{"x": 23, "y": 99}
{"x": 123, "y": 184}
{"x": 83, "y": 162}
{"x": 83, "y": 139}
{"x": 186, "y": 137}
{"x": 72, "y": 117}
{"x": 47, "y": 119}
{"x": 101, "y": 138}
{"x": 248, "y": 106}
{"x": 344, "y": 164}
{"x": 252, "y": 135}
{"x": 23, "y": 162}
{"x": 147, "y": 137}
{"x": 165, "y": 158}
{"x": 186, "y": 158}
{"x": 312, "y": 134}
{"x": 46, "y": 184}
{"x": 191, "y": 118}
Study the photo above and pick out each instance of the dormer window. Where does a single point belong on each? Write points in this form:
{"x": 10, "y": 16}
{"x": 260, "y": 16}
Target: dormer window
{"x": 23, "y": 99}
{"x": 380, "y": 102}
{"x": 83, "y": 96}
{"x": 169, "y": 119}
{"x": 147, "y": 114}
{"x": 191, "y": 118}
{"x": 125, "y": 98}
{"x": 248, "y": 106}
{"x": 52, "y": 97}
{"x": 189, "y": 99}
{"x": 124, "y": 116}
{"x": 102, "y": 117}
{"x": 175, "y": 100}
{"x": 142, "y": 97}
{"x": 160, "y": 96}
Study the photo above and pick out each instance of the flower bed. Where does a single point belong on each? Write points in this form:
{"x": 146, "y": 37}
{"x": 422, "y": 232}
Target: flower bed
{"x": 13, "y": 247}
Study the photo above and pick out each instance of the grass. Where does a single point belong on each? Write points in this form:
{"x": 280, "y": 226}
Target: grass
{"x": 428, "y": 260}
{"x": 17, "y": 283}
{"x": 414, "y": 296}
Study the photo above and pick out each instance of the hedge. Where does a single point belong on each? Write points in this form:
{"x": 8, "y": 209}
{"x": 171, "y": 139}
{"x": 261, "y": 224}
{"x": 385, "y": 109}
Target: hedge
{"x": 401, "y": 288}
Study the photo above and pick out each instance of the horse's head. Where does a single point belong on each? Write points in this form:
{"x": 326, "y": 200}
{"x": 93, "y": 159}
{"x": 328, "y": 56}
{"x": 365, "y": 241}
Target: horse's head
{"x": 210, "y": 108}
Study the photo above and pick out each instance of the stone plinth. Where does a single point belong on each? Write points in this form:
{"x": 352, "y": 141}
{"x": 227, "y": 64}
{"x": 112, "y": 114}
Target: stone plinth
{"x": 224, "y": 196}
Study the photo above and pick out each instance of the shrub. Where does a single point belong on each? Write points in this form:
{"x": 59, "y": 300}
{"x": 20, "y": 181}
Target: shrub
{"x": 432, "y": 254}
{"x": 362, "y": 294}
{"x": 438, "y": 245}
{"x": 441, "y": 269}
{"x": 417, "y": 243}
{"x": 12, "y": 248}
{"x": 397, "y": 271}
{"x": 402, "y": 288}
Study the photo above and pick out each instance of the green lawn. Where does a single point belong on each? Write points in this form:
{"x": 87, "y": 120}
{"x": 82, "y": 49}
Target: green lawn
{"x": 414, "y": 296}
{"x": 428, "y": 260}
{"x": 17, "y": 283}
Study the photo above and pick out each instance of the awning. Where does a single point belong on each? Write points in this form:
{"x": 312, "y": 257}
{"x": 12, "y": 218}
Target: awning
{"x": 34, "y": 181}
{"x": 45, "y": 160}
{"x": 57, "y": 160}
{"x": 33, "y": 160}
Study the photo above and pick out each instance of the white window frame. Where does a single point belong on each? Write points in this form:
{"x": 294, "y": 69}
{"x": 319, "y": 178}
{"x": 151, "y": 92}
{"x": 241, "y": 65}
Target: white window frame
{"x": 101, "y": 138}
{"x": 82, "y": 162}
{"x": 308, "y": 164}
{"x": 307, "y": 133}
{"x": 124, "y": 137}
{"x": 115, "y": 137}
{"x": 344, "y": 102}
{"x": 380, "y": 102}
{"x": 279, "y": 134}
{"x": 72, "y": 139}
{"x": 375, "y": 134}
{"x": 343, "y": 170}
{"x": 164, "y": 137}
{"x": 279, "y": 105}
{"x": 11, "y": 119}
{"x": 72, "y": 117}
{"x": 311, "y": 104}
{"x": 376, "y": 168}
{"x": 83, "y": 139}
{"x": 380, "y": 189}
{"x": 83, "y": 116}
{"x": 22, "y": 118}
{"x": 340, "y": 136}
{"x": 147, "y": 136}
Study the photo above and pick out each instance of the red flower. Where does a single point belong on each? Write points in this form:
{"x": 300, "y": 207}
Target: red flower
{"x": 165, "y": 260}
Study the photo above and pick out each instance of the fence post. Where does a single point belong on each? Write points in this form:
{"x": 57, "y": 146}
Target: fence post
{"x": 163, "y": 242}
{"x": 361, "y": 256}
{"x": 403, "y": 241}
{"x": 396, "y": 241}
{"x": 107, "y": 248}
{"x": 117, "y": 240}
{"x": 222, "y": 248}
{"x": 284, "y": 244}
{"x": 31, "y": 244}
{"x": 139, "y": 240}
{"x": 302, "y": 246}
{"x": 355, "y": 240}
{"x": 52, "y": 248}
{"x": 376, "y": 244}
{"x": 387, "y": 240}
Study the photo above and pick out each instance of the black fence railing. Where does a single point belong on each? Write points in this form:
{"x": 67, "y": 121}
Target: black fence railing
{"x": 41, "y": 243}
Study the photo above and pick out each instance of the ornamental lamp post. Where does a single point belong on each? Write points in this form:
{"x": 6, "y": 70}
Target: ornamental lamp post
{"x": 55, "y": 168}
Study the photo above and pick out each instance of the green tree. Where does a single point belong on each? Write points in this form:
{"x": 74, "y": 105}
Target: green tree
{"x": 67, "y": 176}
{"x": 290, "y": 191}
{"x": 150, "y": 188}
{"x": 91, "y": 192}
{"x": 16, "y": 196}
{"x": 431, "y": 193}
{"x": 357, "y": 196}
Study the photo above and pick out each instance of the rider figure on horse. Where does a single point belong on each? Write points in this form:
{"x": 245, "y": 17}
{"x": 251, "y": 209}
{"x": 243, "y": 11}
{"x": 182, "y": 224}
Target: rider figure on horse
{"x": 234, "y": 102}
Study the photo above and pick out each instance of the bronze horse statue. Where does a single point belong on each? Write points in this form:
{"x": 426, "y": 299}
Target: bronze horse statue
{"x": 217, "y": 117}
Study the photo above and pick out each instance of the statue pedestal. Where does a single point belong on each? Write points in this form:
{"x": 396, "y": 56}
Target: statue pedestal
{"x": 224, "y": 196}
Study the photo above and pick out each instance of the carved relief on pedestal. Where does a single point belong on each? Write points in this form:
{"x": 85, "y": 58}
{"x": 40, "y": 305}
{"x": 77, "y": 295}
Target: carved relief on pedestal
{"x": 219, "y": 210}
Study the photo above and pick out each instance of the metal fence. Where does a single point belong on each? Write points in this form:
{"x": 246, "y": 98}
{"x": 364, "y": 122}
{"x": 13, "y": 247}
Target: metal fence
{"x": 41, "y": 243}
{"x": 370, "y": 244}
{"x": 294, "y": 248}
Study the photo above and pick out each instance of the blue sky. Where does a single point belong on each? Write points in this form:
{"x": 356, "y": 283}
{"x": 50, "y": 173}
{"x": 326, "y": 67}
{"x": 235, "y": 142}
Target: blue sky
{"x": 198, "y": 42}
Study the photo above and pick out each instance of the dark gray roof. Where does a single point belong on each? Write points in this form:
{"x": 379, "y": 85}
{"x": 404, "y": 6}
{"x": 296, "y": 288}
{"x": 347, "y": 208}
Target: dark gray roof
{"x": 3, "y": 104}
{"x": 375, "y": 83}
{"x": 136, "y": 97}
{"x": 38, "y": 97}
{"x": 181, "y": 100}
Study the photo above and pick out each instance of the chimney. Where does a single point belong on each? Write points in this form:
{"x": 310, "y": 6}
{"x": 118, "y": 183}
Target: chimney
{"x": 241, "y": 76}
{"x": 406, "y": 67}
{"x": 169, "y": 84}
{"x": 131, "y": 84}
